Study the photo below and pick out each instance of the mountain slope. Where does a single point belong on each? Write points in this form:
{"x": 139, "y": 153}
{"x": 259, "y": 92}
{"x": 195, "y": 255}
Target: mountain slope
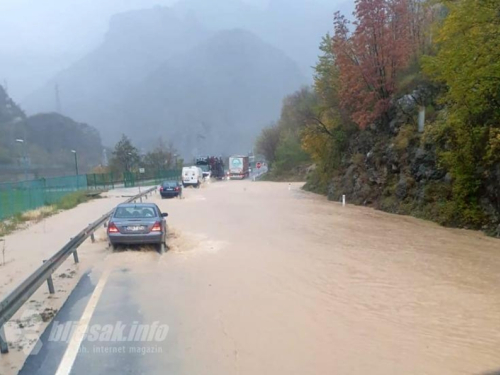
{"x": 296, "y": 27}
{"x": 162, "y": 69}
{"x": 136, "y": 44}
{"x": 216, "y": 97}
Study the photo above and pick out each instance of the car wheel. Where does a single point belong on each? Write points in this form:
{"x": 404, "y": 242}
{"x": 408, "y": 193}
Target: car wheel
{"x": 162, "y": 248}
{"x": 114, "y": 246}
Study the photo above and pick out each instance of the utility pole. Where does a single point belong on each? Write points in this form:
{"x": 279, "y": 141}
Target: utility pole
{"x": 25, "y": 157}
{"x": 58, "y": 100}
{"x": 105, "y": 158}
{"x": 76, "y": 161}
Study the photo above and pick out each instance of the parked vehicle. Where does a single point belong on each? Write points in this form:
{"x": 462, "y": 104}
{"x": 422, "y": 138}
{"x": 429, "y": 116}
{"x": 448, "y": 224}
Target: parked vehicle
{"x": 192, "y": 176}
{"x": 138, "y": 224}
{"x": 239, "y": 167}
{"x": 171, "y": 189}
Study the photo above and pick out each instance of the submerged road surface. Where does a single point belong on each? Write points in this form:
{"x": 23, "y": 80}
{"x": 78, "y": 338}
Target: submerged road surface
{"x": 266, "y": 279}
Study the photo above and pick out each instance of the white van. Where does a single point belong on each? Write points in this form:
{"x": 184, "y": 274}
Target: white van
{"x": 192, "y": 176}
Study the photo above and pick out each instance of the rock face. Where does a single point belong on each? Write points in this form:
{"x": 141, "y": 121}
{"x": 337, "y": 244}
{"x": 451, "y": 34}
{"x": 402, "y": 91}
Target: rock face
{"x": 396, "y": 170}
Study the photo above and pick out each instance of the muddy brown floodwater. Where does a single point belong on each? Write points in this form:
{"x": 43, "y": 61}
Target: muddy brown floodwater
{"x": 266, "y": 280}
{"x": 263, "y": 280}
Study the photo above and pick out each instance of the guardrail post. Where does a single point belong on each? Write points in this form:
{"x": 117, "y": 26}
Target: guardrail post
{"x": 75, "y": 256}
{"x": 92, "y": 237}
{"x": 4, "y": 347}
{"x": 50, "y": 283}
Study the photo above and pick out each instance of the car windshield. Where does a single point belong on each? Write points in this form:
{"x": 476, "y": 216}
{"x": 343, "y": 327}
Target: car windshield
{"x": 169, "y": 184}
{"x": 135, "y": 212}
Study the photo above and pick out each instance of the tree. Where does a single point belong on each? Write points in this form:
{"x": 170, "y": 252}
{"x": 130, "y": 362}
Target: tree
{"x": 268, "y": 141}
{"x": 297, "y": 110}
{"x": 468, "y": 59}
{"x": 161, "y": 158}
{"x": 468, "y": 64}
{"x": 329, "y": 126}
{"x": 370, "y": 59}
{"x": 125, "y": 156}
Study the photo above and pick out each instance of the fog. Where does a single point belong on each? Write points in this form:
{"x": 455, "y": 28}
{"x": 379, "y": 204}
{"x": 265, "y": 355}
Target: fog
{"x": 39, "y": 38}
{"x": 205, "y": 75}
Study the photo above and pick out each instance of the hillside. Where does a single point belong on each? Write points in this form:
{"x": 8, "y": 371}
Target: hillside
{"x": 48, "y": 141}
{"x": 412, "y": 129}
{"x": 216, "y": 97}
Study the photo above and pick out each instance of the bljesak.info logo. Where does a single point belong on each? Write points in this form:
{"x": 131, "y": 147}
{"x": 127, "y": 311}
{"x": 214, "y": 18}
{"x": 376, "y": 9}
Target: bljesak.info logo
{"x": 118, "y": 338}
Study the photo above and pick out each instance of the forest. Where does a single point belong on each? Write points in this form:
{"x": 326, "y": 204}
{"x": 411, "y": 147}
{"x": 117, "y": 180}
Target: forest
{"x": 403, "y": 114}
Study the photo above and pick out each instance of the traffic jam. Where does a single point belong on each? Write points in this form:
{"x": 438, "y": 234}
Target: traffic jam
{"x": 143, "y": 224}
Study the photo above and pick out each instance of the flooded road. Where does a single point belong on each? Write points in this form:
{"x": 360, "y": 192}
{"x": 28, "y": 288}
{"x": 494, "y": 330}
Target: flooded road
{"x": 261, "y": 279}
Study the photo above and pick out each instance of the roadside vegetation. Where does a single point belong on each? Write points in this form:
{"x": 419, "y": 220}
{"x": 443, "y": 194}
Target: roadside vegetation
{"x": 68, "y": 202}
{"x": 404, "y": 113}
{"x": 126, "y": 157}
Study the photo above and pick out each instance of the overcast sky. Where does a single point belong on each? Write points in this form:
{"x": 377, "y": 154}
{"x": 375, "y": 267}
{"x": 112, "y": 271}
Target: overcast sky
{"x": 38, "y": 38}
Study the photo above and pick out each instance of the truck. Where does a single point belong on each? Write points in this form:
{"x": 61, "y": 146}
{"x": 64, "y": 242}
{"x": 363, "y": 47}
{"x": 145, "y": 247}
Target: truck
{"x": 239, "y": 167}
{"x": 212, "y": 166}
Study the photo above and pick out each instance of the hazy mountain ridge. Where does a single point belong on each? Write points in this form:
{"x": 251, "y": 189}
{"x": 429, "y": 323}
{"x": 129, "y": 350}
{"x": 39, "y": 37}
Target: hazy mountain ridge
{"x": 136, "y": 44}
{"x": 154, "y": 63}
{"x": 296, "y": 27}
{"x": 109, "y": 87}
{"x": 215, "y": 97}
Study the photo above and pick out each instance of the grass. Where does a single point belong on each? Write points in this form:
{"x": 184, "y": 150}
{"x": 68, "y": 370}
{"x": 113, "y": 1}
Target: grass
{"x": 11, "y": 224}
{"x": 72, "y": 200}
{"x": 22, "y": 219}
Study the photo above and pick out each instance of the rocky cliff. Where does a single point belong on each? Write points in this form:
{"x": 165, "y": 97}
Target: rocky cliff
{"x": 397, "y": 170}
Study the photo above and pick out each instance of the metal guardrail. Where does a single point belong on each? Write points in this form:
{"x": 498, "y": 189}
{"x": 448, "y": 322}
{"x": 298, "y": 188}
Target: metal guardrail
{"x": 15, "y": 299}
{"x": 260, "y": 173}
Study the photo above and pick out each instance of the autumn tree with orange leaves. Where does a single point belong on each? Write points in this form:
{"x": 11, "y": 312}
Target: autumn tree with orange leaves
{"x": 371, "y": 57}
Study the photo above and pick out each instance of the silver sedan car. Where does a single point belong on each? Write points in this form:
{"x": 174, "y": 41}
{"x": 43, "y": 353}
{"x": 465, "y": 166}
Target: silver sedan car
{"x": 138, "y": 224}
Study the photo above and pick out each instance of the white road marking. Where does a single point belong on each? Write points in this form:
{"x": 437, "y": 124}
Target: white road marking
{"x": 71, "y": 353}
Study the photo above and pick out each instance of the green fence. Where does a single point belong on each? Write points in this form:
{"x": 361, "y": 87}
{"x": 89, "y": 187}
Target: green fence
{"x": 103, "y": 181}
{"x": 131, "y": 179}
{"x": 23, "y": 196}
